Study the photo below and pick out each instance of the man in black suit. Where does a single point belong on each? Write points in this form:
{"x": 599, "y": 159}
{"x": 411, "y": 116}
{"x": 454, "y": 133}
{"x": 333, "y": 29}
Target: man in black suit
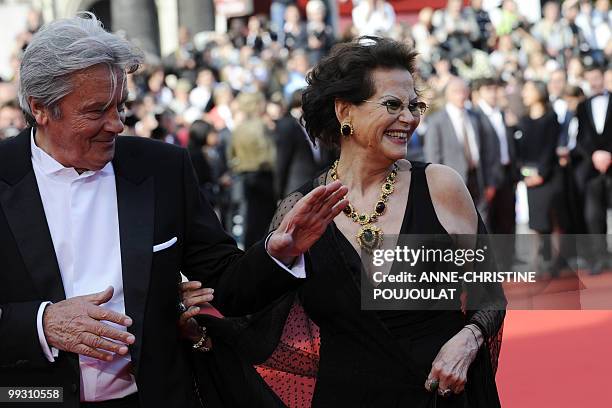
{"x": 297, "y": 159}
{"x": 499, "y": 170}
{"x": 95, "y": 230}
{"x": 594, "y": 144}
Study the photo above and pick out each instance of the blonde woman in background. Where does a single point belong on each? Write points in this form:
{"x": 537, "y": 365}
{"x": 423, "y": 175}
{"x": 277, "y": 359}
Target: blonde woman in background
{"x": 251, "y": 157}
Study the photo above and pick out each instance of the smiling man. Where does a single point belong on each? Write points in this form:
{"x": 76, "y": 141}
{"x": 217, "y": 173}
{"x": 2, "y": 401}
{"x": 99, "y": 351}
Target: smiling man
{"x": 95, "y": 230}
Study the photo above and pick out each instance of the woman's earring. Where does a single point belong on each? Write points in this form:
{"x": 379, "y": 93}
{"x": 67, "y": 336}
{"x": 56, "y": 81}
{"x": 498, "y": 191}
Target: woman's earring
{"x": 346, "y": 129}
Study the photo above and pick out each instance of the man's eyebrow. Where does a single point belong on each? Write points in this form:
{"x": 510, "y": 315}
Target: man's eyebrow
{"x": 94, "y": 105}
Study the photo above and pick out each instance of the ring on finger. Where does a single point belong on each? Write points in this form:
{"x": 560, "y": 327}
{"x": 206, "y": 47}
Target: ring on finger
{"x": 432, "y": 384}
{"x": 445, "y": 393}
{"x": 182, "y": 308}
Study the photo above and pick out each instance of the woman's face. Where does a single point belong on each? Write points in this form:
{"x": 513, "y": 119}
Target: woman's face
{"x": 386, "y": 135}
{"x": 530, "y": 94}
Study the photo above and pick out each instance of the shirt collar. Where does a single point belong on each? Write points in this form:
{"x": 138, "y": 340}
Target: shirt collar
{"x": 602, "y": 94}
{"x": 50, "y": 166}
{"x": 487, "y": 109}
{"x": 454, "y": 111}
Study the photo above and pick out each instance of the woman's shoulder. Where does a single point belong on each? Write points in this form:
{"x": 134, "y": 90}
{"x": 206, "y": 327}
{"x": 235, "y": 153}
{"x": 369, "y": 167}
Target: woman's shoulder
{"x": 451, "y": 200}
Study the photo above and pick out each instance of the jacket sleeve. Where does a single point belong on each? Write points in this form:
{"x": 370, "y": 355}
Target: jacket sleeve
{"x": 432, "y": 145}
{"x": 19, "y": 344}
{"x": 244, "y": 282}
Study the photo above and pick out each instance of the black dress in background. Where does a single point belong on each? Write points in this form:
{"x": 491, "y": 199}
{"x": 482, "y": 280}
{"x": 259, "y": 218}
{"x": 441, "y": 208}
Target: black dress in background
{"x": 358, "y": 358}
{"x": 536, "y": 148}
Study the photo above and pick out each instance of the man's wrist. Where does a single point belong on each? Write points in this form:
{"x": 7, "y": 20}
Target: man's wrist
{"x": 288, "y": 261}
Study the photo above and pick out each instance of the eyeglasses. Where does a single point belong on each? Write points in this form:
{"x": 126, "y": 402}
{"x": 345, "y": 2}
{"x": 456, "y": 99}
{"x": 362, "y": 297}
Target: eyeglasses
{"x": 395, "y": 106}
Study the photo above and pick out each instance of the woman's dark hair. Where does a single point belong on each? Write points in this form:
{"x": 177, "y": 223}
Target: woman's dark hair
{"x": 198, "y": 133}
{"x": 542, "y": 90}
{"x": 346, "y": 74}
{"x": 573, "y": 91}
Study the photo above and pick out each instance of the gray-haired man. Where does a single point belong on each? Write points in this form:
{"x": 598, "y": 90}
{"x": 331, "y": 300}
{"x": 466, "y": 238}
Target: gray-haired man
{"x": 94, "y": 230}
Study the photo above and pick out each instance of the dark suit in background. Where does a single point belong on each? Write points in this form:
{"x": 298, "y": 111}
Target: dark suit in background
{"x": 498, "y": 175}
{"x": 158, "y": 198}
{"x": 597, "y": 187}
{"x": 295, "y": 158}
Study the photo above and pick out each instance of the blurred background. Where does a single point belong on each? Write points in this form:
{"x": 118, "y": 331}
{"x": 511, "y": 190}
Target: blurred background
{"x": 223, "y": 79}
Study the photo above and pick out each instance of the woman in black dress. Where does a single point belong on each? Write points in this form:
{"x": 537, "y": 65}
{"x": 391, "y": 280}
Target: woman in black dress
{"x": 362, "y": 99}
{"x": 537, "y": 141}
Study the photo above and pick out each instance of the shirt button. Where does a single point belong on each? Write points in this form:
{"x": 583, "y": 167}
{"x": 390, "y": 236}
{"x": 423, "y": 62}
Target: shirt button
{"x": 73, "y": 388}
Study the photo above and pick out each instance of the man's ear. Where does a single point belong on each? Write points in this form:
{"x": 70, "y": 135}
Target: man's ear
{"x": 39, "y": 112}
{"x": 343, "y": 110}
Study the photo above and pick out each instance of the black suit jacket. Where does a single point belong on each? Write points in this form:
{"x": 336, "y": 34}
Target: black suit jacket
{"x": 158, "y": 198}
{"x": 295, "y": 163}
{"x": 589, "y": 140}
{"x": 492, "y": 169}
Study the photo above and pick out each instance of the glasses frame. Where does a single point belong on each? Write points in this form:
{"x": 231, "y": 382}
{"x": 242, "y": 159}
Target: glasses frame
{"x": 421, "y": 108}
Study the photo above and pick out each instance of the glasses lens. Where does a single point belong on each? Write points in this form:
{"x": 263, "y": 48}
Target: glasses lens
{"x": 417, "y": 108}
{"x": 393, "y": 107}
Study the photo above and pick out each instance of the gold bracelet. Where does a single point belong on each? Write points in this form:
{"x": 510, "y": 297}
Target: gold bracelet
{"x": 201, "y": 344}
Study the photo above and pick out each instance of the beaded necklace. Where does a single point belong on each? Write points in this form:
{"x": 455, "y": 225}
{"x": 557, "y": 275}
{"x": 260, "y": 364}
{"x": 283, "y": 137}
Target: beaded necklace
{"x": 369, "y": 236}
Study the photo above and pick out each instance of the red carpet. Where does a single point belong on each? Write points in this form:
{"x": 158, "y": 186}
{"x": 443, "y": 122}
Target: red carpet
{"x": 560, "y": 359}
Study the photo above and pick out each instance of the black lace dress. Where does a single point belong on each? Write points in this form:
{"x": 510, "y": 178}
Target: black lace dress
{"x": 318, "y": 348}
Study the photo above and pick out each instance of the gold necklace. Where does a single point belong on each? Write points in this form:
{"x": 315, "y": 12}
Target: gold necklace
{"x": 369, "y": 236}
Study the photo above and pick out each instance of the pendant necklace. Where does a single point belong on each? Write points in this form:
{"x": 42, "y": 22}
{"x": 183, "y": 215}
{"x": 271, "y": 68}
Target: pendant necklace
{"x": 370, "y": 237}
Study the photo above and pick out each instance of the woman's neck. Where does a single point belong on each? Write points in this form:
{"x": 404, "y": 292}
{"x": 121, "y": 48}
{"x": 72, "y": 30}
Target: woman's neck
{"x": 360, "y": 173}
{"x": 537, "y": 110}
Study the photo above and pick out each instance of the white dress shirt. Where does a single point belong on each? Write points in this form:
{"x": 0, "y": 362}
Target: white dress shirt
{"x": 459, "y": 118}
{"x": 599, "y": 107}
{"x": 82, "y": 215}
{"x": 497, "y": 120}
{"x": 81, "y": 211}
{"x": 560, "y": 107}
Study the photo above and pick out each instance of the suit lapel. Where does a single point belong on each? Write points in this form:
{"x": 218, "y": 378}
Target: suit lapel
{"x": 589, "y": 109}
{"x": 608, "y": 120}
{"x": 135, "y": 202}
{"x": 25, "y": 214}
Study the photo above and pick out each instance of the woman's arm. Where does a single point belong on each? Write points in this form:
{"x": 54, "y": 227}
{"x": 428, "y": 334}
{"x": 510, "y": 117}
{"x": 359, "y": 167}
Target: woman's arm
{"x": 457, "y": 214}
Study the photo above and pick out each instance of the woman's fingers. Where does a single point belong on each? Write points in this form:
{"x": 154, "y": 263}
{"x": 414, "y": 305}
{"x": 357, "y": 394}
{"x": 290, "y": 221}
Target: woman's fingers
{"x": 191, "y": 312}
{"x": 198, "y": 300}
{"x": 444, "y": 382}
{"x": 333, "y": 199}
{"x": 190, "y": 285}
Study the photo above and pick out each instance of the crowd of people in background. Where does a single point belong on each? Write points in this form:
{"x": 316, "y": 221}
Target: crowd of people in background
{"x": 509, "y": 101}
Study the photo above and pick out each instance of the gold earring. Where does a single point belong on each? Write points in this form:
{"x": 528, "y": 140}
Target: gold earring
{"x": 346, "y": 129}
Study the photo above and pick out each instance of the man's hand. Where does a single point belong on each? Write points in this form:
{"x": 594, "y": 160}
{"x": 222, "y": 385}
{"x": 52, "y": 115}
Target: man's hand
{"x": 533, "y": 181}
{"x": 306, "y": 222}
{"x": 74, "y": 325}
{"x": 601, "y": 160}
{"x": 489, "y": 193}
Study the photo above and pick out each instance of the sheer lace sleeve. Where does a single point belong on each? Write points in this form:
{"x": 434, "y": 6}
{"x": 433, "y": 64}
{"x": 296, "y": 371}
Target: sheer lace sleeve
{"x": 291, "y": 369}
{"x": 486, "y": 305}
{"x": 283, "y": 208}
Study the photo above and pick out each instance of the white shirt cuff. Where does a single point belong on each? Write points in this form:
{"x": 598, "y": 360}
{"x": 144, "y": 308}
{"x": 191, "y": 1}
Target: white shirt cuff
{"x": 299, "y": 267}
{"x": 50, "y": 352}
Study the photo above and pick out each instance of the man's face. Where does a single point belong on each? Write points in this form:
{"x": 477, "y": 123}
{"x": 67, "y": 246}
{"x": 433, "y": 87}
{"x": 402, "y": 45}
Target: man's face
{"x": 488, "y": 93}
{"x": 11, "y": 117}
{"x": 457, "y": 92}
{"x": 91, "y": 118}
{"x": 557, "y": 83}
{"x": 595, "y": 80}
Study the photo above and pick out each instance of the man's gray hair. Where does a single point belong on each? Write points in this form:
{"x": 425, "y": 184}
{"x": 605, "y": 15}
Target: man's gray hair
{"x": 63, "y": 47}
